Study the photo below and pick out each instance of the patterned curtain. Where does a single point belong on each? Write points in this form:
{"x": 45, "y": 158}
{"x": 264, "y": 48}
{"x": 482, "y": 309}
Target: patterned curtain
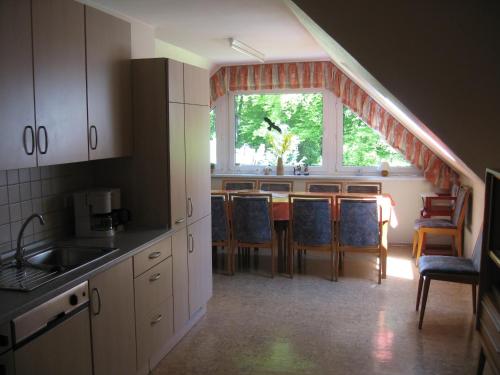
{"x": 325, "y": 75}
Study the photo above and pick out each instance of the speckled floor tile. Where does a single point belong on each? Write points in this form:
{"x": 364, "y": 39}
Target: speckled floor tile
{"x": 256, "y": 325}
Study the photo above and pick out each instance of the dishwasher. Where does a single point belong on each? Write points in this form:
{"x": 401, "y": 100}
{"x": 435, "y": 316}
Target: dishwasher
{"x": 54, "y": 338}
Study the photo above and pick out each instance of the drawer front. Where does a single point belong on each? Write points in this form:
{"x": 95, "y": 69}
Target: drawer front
{"x": 153, "y": 287}
{"x": 152, "y": 256}
{"x": 153, "y": 331}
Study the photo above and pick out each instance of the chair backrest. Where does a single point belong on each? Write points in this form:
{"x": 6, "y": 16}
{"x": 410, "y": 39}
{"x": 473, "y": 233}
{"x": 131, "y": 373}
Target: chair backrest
{"x": 285, "y": 186}
{"x": 324, "y": 187}
{"x": 239, "y": 184}
{"x": 359, "y": 222}
{"x": 311, "y": 220}
{"x": 460, "y": 209}
{"x": 220, "y": 224}
{"x": 251, "y": 217}
{"x": 363, "y": 187}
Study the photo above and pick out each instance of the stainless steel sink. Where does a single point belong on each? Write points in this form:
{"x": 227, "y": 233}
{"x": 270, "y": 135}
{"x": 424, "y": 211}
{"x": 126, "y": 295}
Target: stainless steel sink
{"x": 46, "y": 264}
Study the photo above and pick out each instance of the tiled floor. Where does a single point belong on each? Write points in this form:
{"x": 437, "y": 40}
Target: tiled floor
{"x": 310, "y": 325}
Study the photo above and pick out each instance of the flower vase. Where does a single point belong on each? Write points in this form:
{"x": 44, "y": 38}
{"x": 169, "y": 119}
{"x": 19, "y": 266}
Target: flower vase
{"x": 279, "y": 167}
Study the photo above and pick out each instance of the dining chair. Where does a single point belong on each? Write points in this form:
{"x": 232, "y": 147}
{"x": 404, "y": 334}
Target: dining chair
{"x": 444, "y": 227}
{"x": 220, "y": 224}
{"x": 324, "y": 187}
{"x": 276, "y": 186}
{"x": 451, "y": 269}
{"x": 252, "y": 224}
{"x": 234, "y": 184}
{"x": 311, "y": 228}
{"x": 439, "y": 204}
{"x": 359, "y": 226}
{"x": 363, "y": 187}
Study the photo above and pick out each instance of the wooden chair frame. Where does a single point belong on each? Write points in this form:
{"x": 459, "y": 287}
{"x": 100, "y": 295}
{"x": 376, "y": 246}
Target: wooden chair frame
{"x": 363, "y": 183}
{"x": 456, "y": 233}
{"x": 362, "y": 249}
{"x": 281, "y": 182}
{"x": 238, "y": 180}
{"x": 323, "y": 182}
{"x": 226, "y": 243}
{"x": 235, "y": 243}
{"x": 292, "y": 245}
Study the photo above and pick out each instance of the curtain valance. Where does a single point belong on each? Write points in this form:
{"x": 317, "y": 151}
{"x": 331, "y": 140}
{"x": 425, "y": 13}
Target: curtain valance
{"x": 325, "y": 75}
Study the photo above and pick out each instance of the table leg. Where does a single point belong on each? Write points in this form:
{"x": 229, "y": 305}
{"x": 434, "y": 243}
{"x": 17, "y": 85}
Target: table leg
{"x": 385, "y": 228}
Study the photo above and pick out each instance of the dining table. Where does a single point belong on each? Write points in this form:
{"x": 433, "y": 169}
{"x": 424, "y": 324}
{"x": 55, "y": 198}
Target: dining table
{"x": 281, "y": 211}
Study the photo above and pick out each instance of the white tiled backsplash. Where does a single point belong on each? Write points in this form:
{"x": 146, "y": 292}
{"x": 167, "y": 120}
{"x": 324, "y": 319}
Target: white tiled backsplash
{"x": 44, "y": 190}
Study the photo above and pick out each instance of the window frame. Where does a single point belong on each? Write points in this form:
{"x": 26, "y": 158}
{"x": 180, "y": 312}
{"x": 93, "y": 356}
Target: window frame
{"x": 328, "y": 115}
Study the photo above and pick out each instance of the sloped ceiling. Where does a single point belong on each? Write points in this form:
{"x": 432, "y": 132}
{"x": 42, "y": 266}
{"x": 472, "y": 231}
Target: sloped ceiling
{"x": 440, "y": 59}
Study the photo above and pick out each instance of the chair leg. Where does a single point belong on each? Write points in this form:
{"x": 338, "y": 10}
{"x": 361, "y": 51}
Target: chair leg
{"x": 415, "y": 242}
{"x": 379, "y": 268}
{"x": 427, "y": 283}
{"x": 290, "y": 260}
{"x": 337, "y": 261}
{"x": 458, "y": 241}
{"x": 419, "y": 291}
{"x": 474, "y": 298}
{"x": 332, "y": 265}
{"x": 273, "y": 260}
{"x": 421, "y": 239}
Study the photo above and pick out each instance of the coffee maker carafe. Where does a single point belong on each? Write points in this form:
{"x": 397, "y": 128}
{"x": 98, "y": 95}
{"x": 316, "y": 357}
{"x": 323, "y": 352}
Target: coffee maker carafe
{"x": 94, "y": 212}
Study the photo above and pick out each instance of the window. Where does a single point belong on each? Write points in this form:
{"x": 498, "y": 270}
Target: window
{"x": 213, "y": 138}
{"x": 365, "y": 147}
{"x": 299, "y": 116}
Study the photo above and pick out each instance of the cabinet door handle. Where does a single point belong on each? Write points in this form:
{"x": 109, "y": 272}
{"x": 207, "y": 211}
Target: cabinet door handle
{"x": 95, "y": 292}
{"x": 191, "y": 248}
{"x": 154, "y": 255}
{"x": 178, "y": 221}
{"x": 156, "y": 319}
{"x": 93, "y": 145}
{"x": 43, "y": 151}
{"x": 155, "y": 277}
{"x": 25, "y": 144}
{"x": 190, "y": 207}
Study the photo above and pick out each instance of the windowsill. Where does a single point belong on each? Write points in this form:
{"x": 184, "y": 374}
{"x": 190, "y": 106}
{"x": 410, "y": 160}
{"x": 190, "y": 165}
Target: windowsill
{"x": 340, "y": 176}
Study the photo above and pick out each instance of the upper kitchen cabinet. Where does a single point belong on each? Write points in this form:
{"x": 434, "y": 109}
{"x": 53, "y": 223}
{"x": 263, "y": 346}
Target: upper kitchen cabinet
{"x": 175, "y": 81}
{"x": 17, "y": 109}
{"x": 108, "y": 85}
{"x": 196, "y": 86}
{"x": 60, "y": 81}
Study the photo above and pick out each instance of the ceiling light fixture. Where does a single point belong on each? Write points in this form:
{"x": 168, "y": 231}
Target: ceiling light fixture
{"x": 247, "y": 50}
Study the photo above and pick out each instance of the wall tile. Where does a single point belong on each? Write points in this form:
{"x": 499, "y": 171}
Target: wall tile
{"x": 25, "y": 191}
{"x": 24, "y": 175}
{"x": 4, "y": 233}
{"x": 46, "y": 188}
{"x": 36, "y": 189}
{"x": 14, "y": 231}
{"x": 35, "y": 174}
{"x": 4, "y": 195}
{"x": 4, "y": 214}
{"x": 37, "y": 205}
{"x": 15, "y": 212}
{"x": 46, "y": 172}
{"x": 3, "y": 178}
{"x": 26, "y": 209}
{"x": 13, "y": 177}
{"x": 14, "y": 194}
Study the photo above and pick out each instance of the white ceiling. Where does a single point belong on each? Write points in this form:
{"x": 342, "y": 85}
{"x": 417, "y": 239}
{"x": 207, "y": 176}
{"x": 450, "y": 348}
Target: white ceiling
{"x": 204, "y": 26}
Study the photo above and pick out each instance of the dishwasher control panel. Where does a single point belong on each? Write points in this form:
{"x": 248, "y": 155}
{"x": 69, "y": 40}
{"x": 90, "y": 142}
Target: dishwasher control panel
{"x": 51, "y": 312}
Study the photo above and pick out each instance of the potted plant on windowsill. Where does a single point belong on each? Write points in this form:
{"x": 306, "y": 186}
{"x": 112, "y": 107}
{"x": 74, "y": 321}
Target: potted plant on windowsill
{"x": 281, "y": 145}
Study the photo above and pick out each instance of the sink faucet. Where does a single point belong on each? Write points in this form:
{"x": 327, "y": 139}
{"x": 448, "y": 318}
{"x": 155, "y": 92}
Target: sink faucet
{"x": 20, "y": 248}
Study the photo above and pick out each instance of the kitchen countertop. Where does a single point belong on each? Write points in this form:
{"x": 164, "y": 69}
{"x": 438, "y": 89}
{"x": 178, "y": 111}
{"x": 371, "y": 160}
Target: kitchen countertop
{"x": 130, "y": 242}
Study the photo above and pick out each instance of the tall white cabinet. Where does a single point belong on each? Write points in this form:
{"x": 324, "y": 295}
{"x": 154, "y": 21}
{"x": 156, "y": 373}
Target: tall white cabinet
{"x": 171, "y": 173}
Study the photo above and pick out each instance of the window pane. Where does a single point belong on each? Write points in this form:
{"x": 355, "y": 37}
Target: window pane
{"x": 300, "y": 118}
{"x": 213, "y": 141}
{"x": 365, "y": 147}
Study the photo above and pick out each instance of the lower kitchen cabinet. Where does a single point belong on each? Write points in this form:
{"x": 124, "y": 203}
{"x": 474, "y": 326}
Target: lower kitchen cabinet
{"x": 180, "y": 279}
{"x": 49, "y": 354}
{"x": 112, "y": 320}
{"x": 199, "y": 264}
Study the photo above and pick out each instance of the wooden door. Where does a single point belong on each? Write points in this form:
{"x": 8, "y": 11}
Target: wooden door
{"x": 60, "y": 82}
{"x": 180, "y": 284}
{"x": 200, "y": 264}
{"x": 108, "y": 85}
{"x": 65, "y": 349}
{"x": 197, "y": 132}
{"x": 113, "y": 320}
{"x": 17, "y": 108}
{"x": 196, "y": 85}
{"x": 177, "y": 165}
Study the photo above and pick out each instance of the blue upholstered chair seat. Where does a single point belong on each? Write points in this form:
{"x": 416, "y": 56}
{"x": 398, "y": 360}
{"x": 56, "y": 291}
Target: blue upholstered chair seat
{"x": 433, "y": 223}
{"x": 446, "y": 264}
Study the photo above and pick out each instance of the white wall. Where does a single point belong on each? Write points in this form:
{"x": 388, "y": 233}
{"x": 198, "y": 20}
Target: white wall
{"x": 474, "y": 219}
{"x": 405, "y": 192}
